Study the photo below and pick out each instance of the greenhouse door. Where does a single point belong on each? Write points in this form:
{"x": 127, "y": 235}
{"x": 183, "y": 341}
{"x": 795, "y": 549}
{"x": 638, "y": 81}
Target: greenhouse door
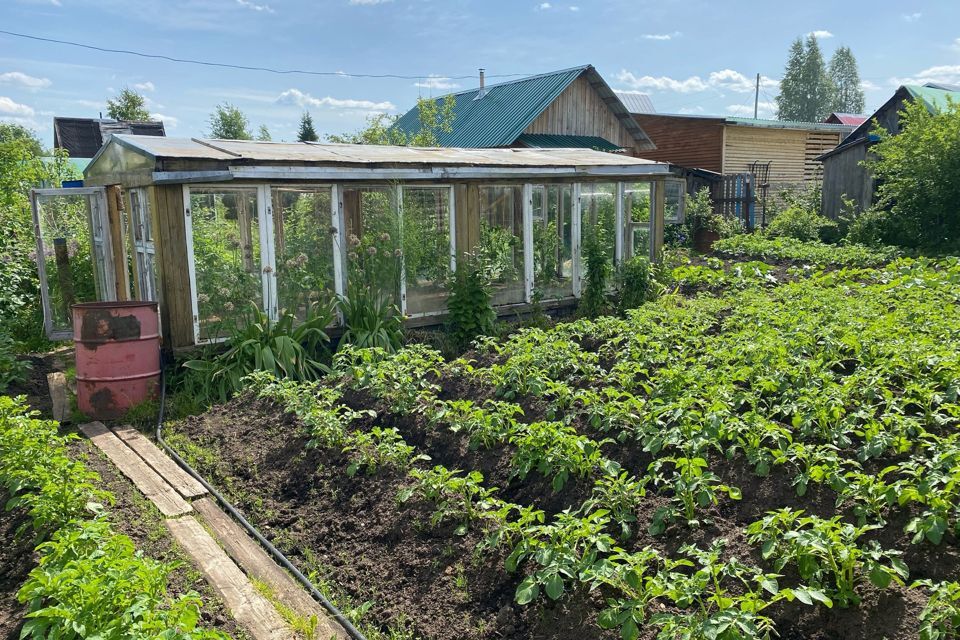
{"x": 74, "y": 253}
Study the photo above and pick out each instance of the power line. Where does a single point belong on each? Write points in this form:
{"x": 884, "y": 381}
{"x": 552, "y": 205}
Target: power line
{"x": 225, "y": 65}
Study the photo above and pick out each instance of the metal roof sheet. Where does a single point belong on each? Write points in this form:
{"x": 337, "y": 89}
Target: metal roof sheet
{"x": 252, "y": 152}
{"x": 853, "y": 119}
{"x": 553, "y": 141}
{"x": 788, "y": 124}
{"x": 636, "y": 101}
{"x": 933, "y": 97}
{"x": 497, "y": 116}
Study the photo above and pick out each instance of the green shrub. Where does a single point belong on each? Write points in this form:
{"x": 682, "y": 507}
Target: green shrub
{"x": 283, "y": 348}
{"x": 636, "y": 284}
{"x": 471, "y": 313}
{"x": 762, "y": 247}
{"x": 370, "y": 319}
{"x": 802, "y": 224}
{"x": 593, "y": 298}
{"x": 12, "y": 369}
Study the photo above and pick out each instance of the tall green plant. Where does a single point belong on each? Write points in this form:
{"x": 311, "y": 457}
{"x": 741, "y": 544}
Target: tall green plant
{"x": 469, "y": 306}
{"x": 593, "y": 301}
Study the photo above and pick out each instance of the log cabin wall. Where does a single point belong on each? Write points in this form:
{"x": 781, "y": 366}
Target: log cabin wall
{"x": 695, "y": 143}
{"x": 580, "y": 111}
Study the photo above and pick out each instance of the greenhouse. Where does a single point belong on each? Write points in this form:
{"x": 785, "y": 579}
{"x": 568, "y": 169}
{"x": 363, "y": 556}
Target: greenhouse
{"x": 205, "y": 227}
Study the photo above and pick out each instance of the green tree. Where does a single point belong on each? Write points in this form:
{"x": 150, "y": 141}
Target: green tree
{"x": 848, "y": 94}
{"x": 10, "y": 131}
{"x": 435, "y": 117}
{"x": 128, "y": 105}
{"x": 307, "y": 133}
{"x": 228, "y": 122}
{"x": 918, "y": 172}
{"x": 263, "y": 135}
{"x": 806, "y": 91}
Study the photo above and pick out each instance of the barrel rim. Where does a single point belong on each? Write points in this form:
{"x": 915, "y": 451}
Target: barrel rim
{"x": 126, "y": 304}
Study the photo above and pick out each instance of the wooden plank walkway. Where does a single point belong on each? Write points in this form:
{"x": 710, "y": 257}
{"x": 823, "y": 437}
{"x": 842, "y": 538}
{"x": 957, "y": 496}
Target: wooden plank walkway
{"x": 246, "y": 605}
{"x": 168, "y": 501}
{"x": 185, "y": 484}
{"x": 247, "y": 553}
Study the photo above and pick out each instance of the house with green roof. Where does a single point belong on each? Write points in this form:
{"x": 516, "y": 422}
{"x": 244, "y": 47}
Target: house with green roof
{"x": 844, "y": 174}
{"x": 571, "y": 108}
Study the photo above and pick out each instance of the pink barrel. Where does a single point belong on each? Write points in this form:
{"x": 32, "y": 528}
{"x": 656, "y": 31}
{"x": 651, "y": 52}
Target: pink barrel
{"x": 118, "y": 356}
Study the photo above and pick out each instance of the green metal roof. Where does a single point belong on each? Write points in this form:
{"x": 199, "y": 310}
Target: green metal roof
{"x": 552, "y": 141}
{"x": 498, "y": 116}
{"x": 934, "y": 99}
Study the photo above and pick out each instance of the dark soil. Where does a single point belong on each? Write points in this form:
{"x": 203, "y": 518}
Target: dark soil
{"x": 16, "y": 561}
{"x": 35, "y": 386}
{"x": 372, "y": 548}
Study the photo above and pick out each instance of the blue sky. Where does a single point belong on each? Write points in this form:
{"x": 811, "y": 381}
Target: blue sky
{"x": 691, "y": 56}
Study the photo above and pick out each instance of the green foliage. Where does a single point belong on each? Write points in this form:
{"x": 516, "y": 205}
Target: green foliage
{"x": 370, "y": 319}
{"x": 128, "y": 105}
{"x": 806, "y": 91}
{"x": 228, "y": 122}
{"x": 636, "y": 284}
{"x": 263, "y": 134}
{"x": 307, "y": 133}
{"x": 692, "y": 486}
{"x": 13, "y": 370}
{"x": 469, "y": 308}
{"x": 918, "y": 173}
{"x": 801, "y": 224}
{"x": 940, "y": 618}
{"x": 760, "y": 246}
{"x": 456, "y": 496}
{"x": 593, "y": 299}
{"x": 434, "y": 118}
{"x": 283, "y": 348}
{"x": 848, "y": 92}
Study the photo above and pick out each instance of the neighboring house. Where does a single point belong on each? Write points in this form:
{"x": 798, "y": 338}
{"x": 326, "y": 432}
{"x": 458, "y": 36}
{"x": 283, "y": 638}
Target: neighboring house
{"x": 732, "y": 145}
{"x": 851, "y": 119}
{"x": 572, "y": 108}
{"x": 83, "y": 137}
{"x": 844, "y": 173}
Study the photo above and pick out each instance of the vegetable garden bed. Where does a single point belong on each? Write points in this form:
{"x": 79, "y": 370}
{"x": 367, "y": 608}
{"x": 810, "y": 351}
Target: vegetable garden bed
{"x": 643, "y": 475}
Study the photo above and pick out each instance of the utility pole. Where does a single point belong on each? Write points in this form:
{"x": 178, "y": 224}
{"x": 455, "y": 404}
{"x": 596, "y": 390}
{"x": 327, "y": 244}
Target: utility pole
{"x": 756, "y": 98}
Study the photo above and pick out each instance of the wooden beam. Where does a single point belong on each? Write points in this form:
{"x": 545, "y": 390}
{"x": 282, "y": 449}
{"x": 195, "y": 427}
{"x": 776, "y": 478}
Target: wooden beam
{"x": 185, "y": 484}
{"x": 117, "y": 242}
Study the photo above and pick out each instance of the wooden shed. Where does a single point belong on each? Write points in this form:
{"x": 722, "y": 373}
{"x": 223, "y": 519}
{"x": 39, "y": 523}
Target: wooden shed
{"x": 729, "y": 145}
{"x": 207, "y": 226}
{"x": 845, "y": 175}
{"x": 573, "y": 108}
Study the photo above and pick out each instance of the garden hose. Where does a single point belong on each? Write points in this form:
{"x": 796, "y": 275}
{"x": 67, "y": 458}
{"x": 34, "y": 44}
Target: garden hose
{"x": 352, "y": 631}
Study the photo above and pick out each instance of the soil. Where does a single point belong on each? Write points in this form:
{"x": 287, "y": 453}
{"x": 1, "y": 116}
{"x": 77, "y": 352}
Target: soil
{"x": 35, "y": 386}
{"x": 356, "y": 534}
{"x": 16, "y": 561}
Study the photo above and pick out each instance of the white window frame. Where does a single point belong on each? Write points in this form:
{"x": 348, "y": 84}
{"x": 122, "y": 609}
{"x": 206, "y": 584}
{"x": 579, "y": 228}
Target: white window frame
{"x": 574, "y": 230}
{"x": 681, "y": 206}
{"x": 577, "y": 212}
{"x": 526, "y": 221}
{"x": 451, "y": 222}
{"x": 141, "y": 217}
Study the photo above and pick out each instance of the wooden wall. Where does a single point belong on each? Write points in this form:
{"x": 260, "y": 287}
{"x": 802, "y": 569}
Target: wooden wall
{"x": 696, "y": 143}
{"x": 580, "y": 111}
{"x": 792, "y": 152}
{"x": 844, "y": 176}
{"x": 173, "y": 275}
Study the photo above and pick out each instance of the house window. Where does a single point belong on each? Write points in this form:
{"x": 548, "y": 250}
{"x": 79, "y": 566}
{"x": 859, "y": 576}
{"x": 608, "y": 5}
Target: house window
{"x": 553, "y": 241}
{"x": 303, "y": 248}
{"x": 144, "y": 248}
{"x": 500, "y": 249}
{"x": 427, "y": 248}
{"x": 225, "y": 232}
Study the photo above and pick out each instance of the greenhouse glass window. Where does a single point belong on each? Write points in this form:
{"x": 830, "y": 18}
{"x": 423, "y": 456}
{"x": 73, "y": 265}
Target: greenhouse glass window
{"x": 144, "y": 248}
{"x": 673, "y": 196}
{"x": 598, "y": 220}
{"x": 373, "y": 251}
{"x": 553, "y": 241}
{"x": 637, "y": 200}
{"x": 427, "y": 248}
{"x": 500, "y": 251}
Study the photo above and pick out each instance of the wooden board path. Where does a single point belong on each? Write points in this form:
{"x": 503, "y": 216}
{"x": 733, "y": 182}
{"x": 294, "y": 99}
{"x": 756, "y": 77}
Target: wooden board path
{"x": 185, "y": 484}
{"x": 248, "y": 607}
{"x": 258, "y": 564}
{"x": 168, "y": 501}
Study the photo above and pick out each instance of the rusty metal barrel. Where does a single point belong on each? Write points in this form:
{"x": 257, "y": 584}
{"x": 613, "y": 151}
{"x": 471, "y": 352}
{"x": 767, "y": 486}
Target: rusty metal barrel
{"x": 118, "y": 356}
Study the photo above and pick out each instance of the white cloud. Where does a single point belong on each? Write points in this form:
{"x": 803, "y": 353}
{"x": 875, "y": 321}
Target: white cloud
{"x": 943, "y": 74}
{"x": 543, "y": 6}
{"x": 299, "y": 98}
{"x": 253, "y": 6}
{"x": 764, "y": 110}
{"x": 691, "y": 111}
{"x": 436, "y": 82}
{"x": 169, "y": 122}
{"x": 369, "y": 2}
{"x": 661, "y": 36}
{"x": 145, "y": 86}
{"x": 11, "y": 108}
{"x": 912, "y": 17}
{"x": 820, "y": 34}
{"x": 22, "y": 79}
{"x": 723, "y": 80}
{"x": 574, "y": 8}
{"x": 956, "y": 45}
{"x": 866, "y": 85}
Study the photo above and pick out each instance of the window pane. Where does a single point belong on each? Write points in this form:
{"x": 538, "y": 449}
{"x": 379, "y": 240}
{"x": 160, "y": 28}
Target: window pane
{"x": 553, "y": 241}
{"x": 598, "y": 221}
{"x": 68, "y": 254}
{"x": 636, "y": 207}
{"x": 226, "y": 253}
{"x": 500, "y": 249}
{"x": 426, "y": 248}
{"x": 373, "y": 241}
{"x": 304, "y": 249}
{"x": 673, "y": 201}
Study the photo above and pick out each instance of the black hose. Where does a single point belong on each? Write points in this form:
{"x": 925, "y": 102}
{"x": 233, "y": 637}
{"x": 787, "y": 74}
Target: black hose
{"x": 352, "y": 631}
